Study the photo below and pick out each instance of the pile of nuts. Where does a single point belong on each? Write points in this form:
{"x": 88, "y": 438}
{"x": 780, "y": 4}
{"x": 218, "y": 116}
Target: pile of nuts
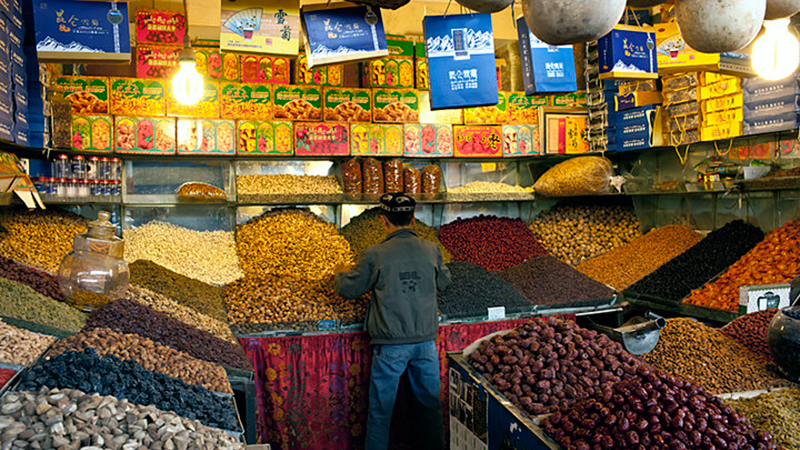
{"x": 545, "y": 280}
{"x": 39, "y": 238}
{"x": 547, "y": 363}
{"x": 290, "y": 242}
{"x": 773, "y": 260}
{"x": 484, "y": 190}
{"x": 774, "y": 412}
{"x": 125, "y": 316}
{"x": 39, "y": 281}
{"x": 349, "y": 311}
{"x": 177, "y": 311}
{"x": 625, "y": 265}
{"x": 474, "y": 289}
{"x": 698, "y": 353}
{"x": 276, "y": 299}
{"x": 653, "y": 410}
{"x": 67, "y": 419}
{"x": 577, "y": 232}
{"x": 494, "y": 243}
{"x": 366, "y": 230}
{"x": 21, "y": 347}
{"x": 265, "y": 187}
{"x": 201, "y": 297}
{"x": 23, "y": 303}
{"x": 751, "y": 331}
{"x": 150, "y": 355}
{"x": 694, "y": 267}
{"x": 208, "y": 256}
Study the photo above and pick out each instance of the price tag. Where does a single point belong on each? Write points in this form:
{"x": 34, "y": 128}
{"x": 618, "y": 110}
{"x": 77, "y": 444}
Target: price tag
{"x": 327, "y": 325}
{"x": 759, "y": 298}
{"x": 496, "y": 313}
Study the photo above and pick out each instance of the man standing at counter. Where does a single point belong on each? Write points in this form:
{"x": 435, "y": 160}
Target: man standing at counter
{"x": 404, "y": 273}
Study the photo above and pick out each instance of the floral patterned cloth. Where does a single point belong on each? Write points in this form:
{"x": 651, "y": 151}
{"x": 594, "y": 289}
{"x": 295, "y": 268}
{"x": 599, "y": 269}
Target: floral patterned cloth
{"x": 312, "y": 391}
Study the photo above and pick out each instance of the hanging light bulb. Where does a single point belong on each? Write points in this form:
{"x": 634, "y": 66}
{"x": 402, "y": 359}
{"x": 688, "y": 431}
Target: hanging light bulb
{"x": 187, "y": 84}
{"x": 776, "y": 54}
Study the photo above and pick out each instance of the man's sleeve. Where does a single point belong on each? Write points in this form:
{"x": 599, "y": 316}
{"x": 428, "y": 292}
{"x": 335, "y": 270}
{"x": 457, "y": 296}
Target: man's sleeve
{"x": 358, "y": 281}
{"x": 443, "y": 277}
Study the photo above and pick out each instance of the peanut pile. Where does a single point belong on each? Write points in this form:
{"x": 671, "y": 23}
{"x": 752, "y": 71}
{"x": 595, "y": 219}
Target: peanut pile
{"x": 292, "y": 243}
{"x": 577, "y": 232}
{"x": 39, "y": 238}
{"x": 208, "y": 256}
{"x": 264, "y": 187}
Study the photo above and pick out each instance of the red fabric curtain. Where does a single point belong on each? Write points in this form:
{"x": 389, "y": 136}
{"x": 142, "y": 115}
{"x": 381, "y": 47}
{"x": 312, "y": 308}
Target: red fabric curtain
{"x": 312, "y": 391}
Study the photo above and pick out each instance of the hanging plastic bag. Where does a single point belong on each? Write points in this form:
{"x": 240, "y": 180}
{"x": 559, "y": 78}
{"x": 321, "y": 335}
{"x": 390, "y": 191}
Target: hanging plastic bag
{"x": 585, "y": 175}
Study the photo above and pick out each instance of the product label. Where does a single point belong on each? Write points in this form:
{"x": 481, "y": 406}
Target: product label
{"x": 495, "y": 114}
{"x": 428, "y": 141}
{"x": 265, "y": 69}
{"x": 330, "y": 75}
{"x": 348, "y": 105}
{"x": 322, "y": 139}
{"x": 216, "y": 65}
{"x": 206, "y": 137}
{"x": 206, "y": 108}
{"x": 92, "y": 134}
{"x": 299, "y": 103}
{"x": 478, "y": 142}
{"x": 137, "y": 97}
{"x": 246, "y": 101}
{"x": 156, "y": 61}
{"x": 520, "y": 140}
{"x": 87, "y": 95}
{"x": 397, "y": 106}
{"x": 160, "y": 27}
{"x": 258, "y": 138}
{"x": 145, "y": 135}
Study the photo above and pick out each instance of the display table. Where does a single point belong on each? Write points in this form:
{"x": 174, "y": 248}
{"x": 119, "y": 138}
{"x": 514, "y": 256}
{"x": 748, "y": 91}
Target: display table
{"x": 312, "y": 391}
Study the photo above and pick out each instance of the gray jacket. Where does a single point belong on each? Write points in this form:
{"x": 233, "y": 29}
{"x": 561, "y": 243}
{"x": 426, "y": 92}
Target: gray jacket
{"x": 404, "y": 272}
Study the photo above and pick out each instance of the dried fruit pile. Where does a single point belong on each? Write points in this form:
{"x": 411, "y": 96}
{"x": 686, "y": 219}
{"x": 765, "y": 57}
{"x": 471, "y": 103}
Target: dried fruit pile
{"x": 751, "y": 331}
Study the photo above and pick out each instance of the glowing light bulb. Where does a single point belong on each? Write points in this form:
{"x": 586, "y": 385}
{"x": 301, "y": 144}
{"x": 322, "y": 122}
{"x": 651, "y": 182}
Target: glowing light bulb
{"x": 776, "y": 54}
{"x": 187, "y": 84}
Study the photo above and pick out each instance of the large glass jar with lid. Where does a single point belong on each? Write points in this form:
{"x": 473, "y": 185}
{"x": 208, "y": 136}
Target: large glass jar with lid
{"x": 94, "y": 273}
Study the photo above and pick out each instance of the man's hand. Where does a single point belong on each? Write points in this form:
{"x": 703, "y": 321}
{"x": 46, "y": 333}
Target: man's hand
{"x": 342, "y": 267}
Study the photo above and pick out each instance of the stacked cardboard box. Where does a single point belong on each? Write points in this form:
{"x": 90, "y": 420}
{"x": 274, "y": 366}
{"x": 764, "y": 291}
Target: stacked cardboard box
{"x": 770, "y": 106}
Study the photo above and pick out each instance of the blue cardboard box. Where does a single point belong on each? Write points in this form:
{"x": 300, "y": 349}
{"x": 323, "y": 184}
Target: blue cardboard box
{"x": 21, "y": 118}
{"x": 461, "y": 61}
{"x": 773, "y": 124}
{"x": 6, "y": 128}
{"x": 545, "y": 68}
{"x": 21, "y": 136}
{"x": 637, "y": 99}
{"x": 642, "y": 115}
{"x": 766, "y": 109}
{"x": 18, "y": 77}
{"x": 628, "y": 52}
{"x": 760, "y": 90}
{"x": 636, "y": 143}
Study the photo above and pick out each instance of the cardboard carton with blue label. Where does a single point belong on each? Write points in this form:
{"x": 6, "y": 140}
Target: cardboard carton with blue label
{"x": 545, "y": 67}
{"x": 341, "y": 33}
{"x": 628, "y": 52}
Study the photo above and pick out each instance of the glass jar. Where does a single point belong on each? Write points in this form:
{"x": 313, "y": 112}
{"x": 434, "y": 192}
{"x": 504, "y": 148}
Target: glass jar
{"x": 94, "y": 273}
{"x": 52, "y": 186}
{"x": 92, "y": 167}
{"x": 61, "y": 187}
{"x": 116, "y": 187}
{"x": 105, "y": 189}
{"x": 62, "y": 167}
{"x": 116, "y": 169}
{"x": 783, "y": 338}
{"x": 96, "y": 188}
{"x": 78, "y": 167}
{"x": 72, "y": 188}
{"x": 83, "y": 188}
{"x": 105, "y": 169}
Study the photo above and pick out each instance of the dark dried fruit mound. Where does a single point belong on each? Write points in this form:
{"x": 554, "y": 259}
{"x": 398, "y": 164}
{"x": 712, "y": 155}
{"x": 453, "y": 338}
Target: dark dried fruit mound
{"x": 474, "y": 289}
{"x": 653, "y": 411}
{"x": 751, "y": 331}
{"x": 494, "y": 243}
{"x": 41, "y": 282}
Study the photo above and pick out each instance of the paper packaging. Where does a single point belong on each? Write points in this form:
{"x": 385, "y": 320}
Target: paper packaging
{"x": 206, "y": 108}
{"x": 770, "y": 108}
{"x": 72, "y": 30}
{"x": 245, "y": 101}
{"x": 321, "y": 139}
{"x": 478, "y": 141}
{"x": 460, "y": 52}
{"x": 216, "y": 65}
{"x": 7, "y": 129}
{"x": 428, "y": 141}
{"x": 298, "y": 103}
{"x": 545, "y": 68}
{"x": 762, "y": 297}
{"x": 87, "y": 95}
{"x": 156, "y": 61}
{"x": 674, "y": 55}
{"x": 137, "y": 97}
{"x": 721, "y": 103}
{"x": 395, "y": 70}
{"x": 757, "y": 90}
{"x": 524, "y": 110}
{"x": 331, "y": 75}
{"x": 564, "y": 133}
{"x": 488, "y": 115}
{"x": 771, "y": 125}
{"x": 443, "y": 116}
{"x": 628, "y": 52}
{"x": 259, "y": 138}
{"x": 347, "y": 105}
{"x": 265, "y": 69}
{"x": 395, "y": 105}
{"x": 340, "y": 33}
{"x": 721, "y": 131}
{"x": 260, "y": 26}
{"x": 145, "y": 135}
{"x": 520, "y": 140}
{"x": 569, "y": 100}
{"x": 376, "y": 140}
{"x": 721, "y": 89}
{"x": 160, "y": 27}
{"x": 92, "y": 134}
{"x": 637, "y": 100}
{"x": 206, "y": 137}
{"x": 14, "y": 179}
{"x": 421, "y": 67}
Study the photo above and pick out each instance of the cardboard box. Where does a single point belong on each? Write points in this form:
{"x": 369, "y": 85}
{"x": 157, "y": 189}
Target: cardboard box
{"x": 330, "y": 75}
{"x": 523, "y": 109}
{"x": 674, "y": 55}
{"x": 721, "y": 103}
{"x": 137, "y": 97}
{"x": 216, "y": 65}
{"x": 624, "y": 87}
{"x": 321, "y": 139}
{"x": 564, "y": 133}
{"x": 87, "y": 95}
{"x": 770, "y": 108}
{"x": 721, "y": 89}
{"x": 721, "y": 131}
{"x": 157, "y": 61}
{"x": 488, "y": 115}
{"x": 628, "y": 52}
{"x": 376, "y": 139}
{"x": 771, "y": 125}
{"x": 92, "y": 134}
{"x": 259, "y": 138}
{"x": 245, "y": 101}
{"x": 347, "y": 105}
{"x": 760, "y": 91}
{"x": 395, "y": 105}
{"x": 428, "y": 141}
{"x": 440, "y": 116}
{"x": 265, "y": 69}
{"x": 521, "y": 140}
{"x": 395, "y": 70}
{"x": 7, "y": 130}
{"x": 569, "y": 100}
{"x": 421, "y": 67}
{"x": 297, "y": 103}
{"x": 723, "y": 117}
{"x": 478, "y": 141}
{"x": 160, "y": 27}
{"x": 206, "y": 108}
{"x": 145, "y": 135}
{"x": 637, "y": 100}
{"x": 206, "y": 137}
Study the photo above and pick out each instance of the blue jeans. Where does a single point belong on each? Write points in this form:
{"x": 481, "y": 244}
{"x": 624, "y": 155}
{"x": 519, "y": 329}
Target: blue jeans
{"x": 388, "y": 364}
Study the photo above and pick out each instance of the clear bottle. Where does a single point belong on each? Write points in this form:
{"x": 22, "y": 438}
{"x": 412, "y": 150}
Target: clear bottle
{"x": 105, "y": 169}
{"x": 96, "y": 188}
{"x": 72, "y": 188}
{"x": 116, "y": 169}
{"x": 116, "y": 188}
{"x": 92, "y": 167}
{"x": 78, "y": 167}
{"x": 94, "y": 273}
{"x": 83, "y": 188}
{"x": 61, "y": 187}
{"x": 62, "y": 167}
